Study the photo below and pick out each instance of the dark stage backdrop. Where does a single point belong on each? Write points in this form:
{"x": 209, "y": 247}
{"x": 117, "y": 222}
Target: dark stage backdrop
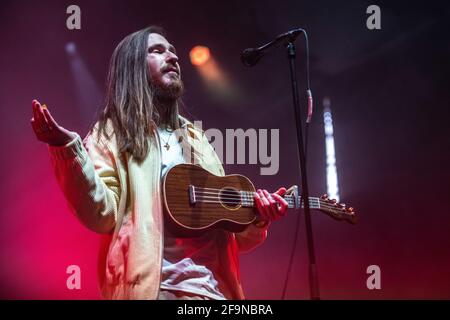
{"x": 390, "y": 100}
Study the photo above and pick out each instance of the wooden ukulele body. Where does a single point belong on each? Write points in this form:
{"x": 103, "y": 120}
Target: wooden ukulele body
{"x": 196, "y": 200}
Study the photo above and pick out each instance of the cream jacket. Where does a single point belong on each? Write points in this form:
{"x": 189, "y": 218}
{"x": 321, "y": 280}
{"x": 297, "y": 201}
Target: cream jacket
{"x": 113, "y": 195}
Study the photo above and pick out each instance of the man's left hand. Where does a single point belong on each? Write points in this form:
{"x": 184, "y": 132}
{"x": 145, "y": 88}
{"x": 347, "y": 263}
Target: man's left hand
{"x": 271, "y": 207}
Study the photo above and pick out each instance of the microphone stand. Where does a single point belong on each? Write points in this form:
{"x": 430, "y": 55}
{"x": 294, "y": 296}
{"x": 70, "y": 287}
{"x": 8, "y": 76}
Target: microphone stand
{"x": 250, "y": 57}
{"x": 313, "y": 277}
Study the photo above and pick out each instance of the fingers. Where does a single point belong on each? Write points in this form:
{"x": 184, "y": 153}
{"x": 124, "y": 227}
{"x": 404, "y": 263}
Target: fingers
{"x": 40, "y": 134}
{"x": 271, "y": 206}
{"x": 279, "y": 198}
{"x": 282, "y": 191}
{"x": 52, "y": 123}
{"x": 32, "y": 109}
{"x": 39, "y": 122}
{"x": 38, "y": 114}
{"x": 262, "y": 204}
{"x": 33, "y": 124}
{"x": 35, "y": 119}
{"x": 282, "y": 202}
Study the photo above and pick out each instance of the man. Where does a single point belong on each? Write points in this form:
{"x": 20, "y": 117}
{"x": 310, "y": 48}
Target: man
{"x": 112, "y": 178}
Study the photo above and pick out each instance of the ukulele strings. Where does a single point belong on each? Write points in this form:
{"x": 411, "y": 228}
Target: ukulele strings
{"x": 206, "y": 196}
{"x": 247, "y": 196}
{"x": 291, "y": 202}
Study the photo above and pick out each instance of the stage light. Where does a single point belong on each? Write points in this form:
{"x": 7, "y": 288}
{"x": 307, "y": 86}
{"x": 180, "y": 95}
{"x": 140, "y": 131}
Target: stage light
{"x": 212, "y": 75}
{"x": 199, "y": 55}
{"x": 332, "y": 177}
{"x": 71, "y": 48}
{"x": 86, "y": 88}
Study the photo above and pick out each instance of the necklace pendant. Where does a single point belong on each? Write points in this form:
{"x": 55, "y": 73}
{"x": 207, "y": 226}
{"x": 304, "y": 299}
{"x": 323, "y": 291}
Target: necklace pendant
{"x": 167, "y": 146}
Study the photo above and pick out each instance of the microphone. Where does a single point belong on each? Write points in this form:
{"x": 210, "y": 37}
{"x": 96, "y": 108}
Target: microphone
{"x": 251, "y": 56}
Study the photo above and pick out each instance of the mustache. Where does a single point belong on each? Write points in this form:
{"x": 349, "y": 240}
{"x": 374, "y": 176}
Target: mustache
{"x": 170, "y": 68}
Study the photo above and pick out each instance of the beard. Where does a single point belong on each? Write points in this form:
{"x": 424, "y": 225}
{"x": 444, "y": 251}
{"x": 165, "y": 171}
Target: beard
{"x": 168, "y": 93}
{"x": 165, "y": 99}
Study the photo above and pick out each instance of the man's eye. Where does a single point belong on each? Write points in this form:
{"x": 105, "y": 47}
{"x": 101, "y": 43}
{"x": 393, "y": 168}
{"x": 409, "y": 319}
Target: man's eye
{"x": 157, "y": 50}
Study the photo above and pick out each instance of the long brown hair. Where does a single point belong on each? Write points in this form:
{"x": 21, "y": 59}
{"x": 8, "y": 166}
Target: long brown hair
{"x": 129, "y": 99}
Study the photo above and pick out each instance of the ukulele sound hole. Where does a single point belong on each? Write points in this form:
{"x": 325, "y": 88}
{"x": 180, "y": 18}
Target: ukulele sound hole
{"x": 230, "y": 198}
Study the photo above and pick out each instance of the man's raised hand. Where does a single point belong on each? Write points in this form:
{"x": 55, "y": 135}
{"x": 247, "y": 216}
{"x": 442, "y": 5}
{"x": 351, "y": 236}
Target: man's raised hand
{"x": 47, "y": 129}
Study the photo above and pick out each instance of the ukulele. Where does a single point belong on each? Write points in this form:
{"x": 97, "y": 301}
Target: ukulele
{"x": 196, "y": 200}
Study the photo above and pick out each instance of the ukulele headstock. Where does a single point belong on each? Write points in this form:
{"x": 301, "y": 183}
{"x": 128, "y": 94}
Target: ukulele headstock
{"x": 338, "y": 211}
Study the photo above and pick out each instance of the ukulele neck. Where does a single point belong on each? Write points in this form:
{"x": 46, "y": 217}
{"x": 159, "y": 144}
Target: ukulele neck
{"x": 293, "y": 201}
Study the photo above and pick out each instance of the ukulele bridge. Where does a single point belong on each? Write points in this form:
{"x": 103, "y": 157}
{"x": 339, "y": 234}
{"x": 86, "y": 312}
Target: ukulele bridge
{"x": 192, "y": 199}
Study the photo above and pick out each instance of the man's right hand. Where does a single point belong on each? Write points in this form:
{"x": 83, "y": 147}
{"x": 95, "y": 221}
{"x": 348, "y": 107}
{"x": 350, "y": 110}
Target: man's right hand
{"x": 46, "y": 128}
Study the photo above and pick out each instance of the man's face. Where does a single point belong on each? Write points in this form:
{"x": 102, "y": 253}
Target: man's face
{"x": 163, "y": 67}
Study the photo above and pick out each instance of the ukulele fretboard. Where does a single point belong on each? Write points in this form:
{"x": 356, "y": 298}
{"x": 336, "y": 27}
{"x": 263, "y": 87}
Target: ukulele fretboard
{"x": 232, "y": 197}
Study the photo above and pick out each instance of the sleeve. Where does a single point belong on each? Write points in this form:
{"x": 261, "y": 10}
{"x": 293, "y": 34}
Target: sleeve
{"x": 252, "y": 237}
{"x": 87, "y": 175}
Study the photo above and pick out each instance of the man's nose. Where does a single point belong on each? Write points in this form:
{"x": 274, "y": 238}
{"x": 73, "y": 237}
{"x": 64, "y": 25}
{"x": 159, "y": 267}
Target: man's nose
{"x": 171, "y": 57}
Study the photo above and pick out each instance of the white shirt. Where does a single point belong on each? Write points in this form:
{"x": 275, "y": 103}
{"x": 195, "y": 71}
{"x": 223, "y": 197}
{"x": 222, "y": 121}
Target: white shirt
{"x": 189, "y": 264}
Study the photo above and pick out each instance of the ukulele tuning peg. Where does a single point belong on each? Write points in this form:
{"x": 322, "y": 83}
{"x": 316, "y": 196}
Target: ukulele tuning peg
{"x": 350, "y": 210}
{"x": 324, "y": 196}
